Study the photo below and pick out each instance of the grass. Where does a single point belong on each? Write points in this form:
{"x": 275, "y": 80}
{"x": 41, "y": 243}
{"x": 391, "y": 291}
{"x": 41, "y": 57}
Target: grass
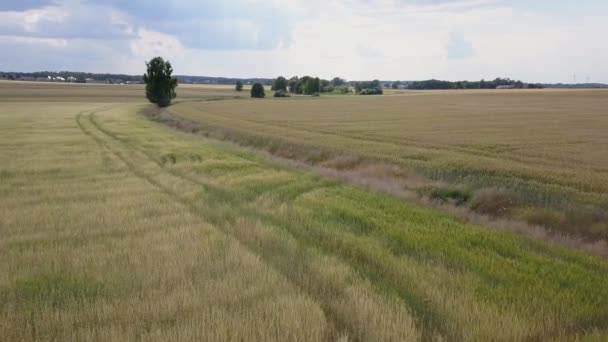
{"x": 114, "y": 227}
{"x": 545, "y": 148}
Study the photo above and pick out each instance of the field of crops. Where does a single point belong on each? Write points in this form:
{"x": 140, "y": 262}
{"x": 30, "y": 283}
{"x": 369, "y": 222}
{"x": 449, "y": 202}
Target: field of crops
{"x": 545, "y": 150}
{"x": 115, "y": 227}
{"x": 96, "y": 93}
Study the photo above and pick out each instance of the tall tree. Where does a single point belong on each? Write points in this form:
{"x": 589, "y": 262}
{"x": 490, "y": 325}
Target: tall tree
{"x": 160, "y": 86}
{"x": 280, "y": 83}
{"x": 239, "y": 86}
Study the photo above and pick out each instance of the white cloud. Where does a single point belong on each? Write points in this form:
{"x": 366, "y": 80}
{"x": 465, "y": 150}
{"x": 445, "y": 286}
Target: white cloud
{"x": 355, "y": 39}
{"x": 149, "y": 44}
{"x": 67, "y": 20}
{"x": 492, "y": 40}
{"x": 31, "y": 20}
{"x": 34, "y": 41}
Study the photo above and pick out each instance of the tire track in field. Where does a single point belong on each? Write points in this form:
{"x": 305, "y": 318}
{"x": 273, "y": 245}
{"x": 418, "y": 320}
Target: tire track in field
{"x": 338, "y": 325}
{"x": 426, "y": 316}
{"x": 435, "y": 317}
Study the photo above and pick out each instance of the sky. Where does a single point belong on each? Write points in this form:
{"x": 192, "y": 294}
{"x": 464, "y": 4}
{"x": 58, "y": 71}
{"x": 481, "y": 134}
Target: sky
{"x": 535, "y": 41}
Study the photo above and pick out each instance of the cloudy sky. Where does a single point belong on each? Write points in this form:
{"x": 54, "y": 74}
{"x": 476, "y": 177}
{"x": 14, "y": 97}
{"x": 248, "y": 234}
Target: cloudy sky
{"x": 540, "y": 40}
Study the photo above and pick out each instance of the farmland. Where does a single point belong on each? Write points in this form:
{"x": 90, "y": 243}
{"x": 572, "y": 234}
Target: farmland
{"x": 116, "y": 227}
{"x": 545, "y": 149}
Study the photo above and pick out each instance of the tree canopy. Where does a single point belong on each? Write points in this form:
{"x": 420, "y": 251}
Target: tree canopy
{"x": 280, "y": 83}
{"x": 368, "y": 88}
{"x": 160, "y": 85}
{"x": 257, "y": 90}
{"x": 337, "y": 81}
{"x": 239, "y": 86}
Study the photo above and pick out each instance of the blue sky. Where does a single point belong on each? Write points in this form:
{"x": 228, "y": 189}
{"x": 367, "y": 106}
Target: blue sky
{"x": 542, "y": 40}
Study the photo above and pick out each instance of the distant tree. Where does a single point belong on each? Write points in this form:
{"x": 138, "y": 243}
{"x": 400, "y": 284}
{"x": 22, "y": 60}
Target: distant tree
{"x": 328, "y": 89}
{"x": 239, "y": 86}
{"x": 535, "y": 86}
{"x": 293, "y": 84}
{"x": 308, "y": 85}
{"x": 337, "y": 81}
{"x": 358, "y": 87}
{"x": 371, "y": 91}
{"x": 281, "y": 93}
{"x": 396, "y": 85}
{"x": 280, "y": 83}
{"x": 160, "y": 86}
{"x": 343, "y": 89}
{"x": 315, "y": 87}
{"x": 368, "y": 88}
{"x": 257, "y": 90}
{"x": 304, "y": 84}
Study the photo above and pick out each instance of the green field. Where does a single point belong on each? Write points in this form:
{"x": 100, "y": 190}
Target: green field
{"x": 545, "y": 149}
{"x": 115, "y": 227}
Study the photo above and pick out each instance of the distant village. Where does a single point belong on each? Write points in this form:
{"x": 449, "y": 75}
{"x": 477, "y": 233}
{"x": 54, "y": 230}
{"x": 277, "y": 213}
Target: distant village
{"x": 71, "y": 77}
{"x": 93, "y": 78}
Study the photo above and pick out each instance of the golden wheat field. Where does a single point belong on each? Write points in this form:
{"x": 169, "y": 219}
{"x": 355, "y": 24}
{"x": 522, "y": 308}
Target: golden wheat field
{"x": 115, "y": 227}
{"x": 545, "y": 148}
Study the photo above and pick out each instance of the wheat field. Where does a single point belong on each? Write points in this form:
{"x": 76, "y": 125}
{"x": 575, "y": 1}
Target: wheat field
{"x": 115, "y": 227}
{"x": 546, "y": 148}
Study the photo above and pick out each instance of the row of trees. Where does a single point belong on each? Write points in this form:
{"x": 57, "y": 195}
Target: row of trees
{"x": 308, "y": 85}
{"x": 160, "y": 85}
{"x": 368, "y": 88}
{"x": 483, "y": 84}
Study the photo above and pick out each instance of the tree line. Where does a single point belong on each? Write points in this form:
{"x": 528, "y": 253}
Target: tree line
{"x": 483, "y": 84}
{"x": 309, "y": 85}
{"x": 160, "y": 84}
